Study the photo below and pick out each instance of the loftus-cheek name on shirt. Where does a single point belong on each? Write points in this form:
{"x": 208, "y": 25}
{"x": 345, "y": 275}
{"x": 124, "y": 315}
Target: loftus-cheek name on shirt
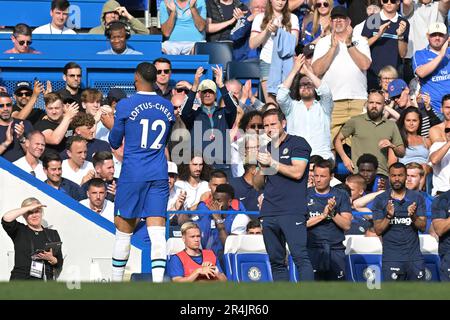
{"x": 147, "y": 105}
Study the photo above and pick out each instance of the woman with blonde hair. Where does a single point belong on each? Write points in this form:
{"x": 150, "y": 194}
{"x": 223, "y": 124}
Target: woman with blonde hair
{"x": 264, "y": 29}
{"x": 319, "y": 27}
{"x": 34, "y": 258}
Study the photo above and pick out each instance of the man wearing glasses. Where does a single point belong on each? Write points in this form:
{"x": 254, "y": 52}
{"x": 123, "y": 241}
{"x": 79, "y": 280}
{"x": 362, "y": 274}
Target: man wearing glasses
{"x": 25, "y": 99}
{"x": 306, "y": 116}
{"x": 21, "y": 39}
{"x": 12, "y": 131}
{"x": 72, "y": 77}
{"x": 59, "y": 13}
{"x": 432, "y": 65}
{"x": 163, "y": 73}
{"x": 387, "y": 33}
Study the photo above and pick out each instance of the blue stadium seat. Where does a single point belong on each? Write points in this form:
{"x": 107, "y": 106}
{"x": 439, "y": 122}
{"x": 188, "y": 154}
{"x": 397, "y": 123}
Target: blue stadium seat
{"x": 429, "y": 248}
{"x": 246, "y": 259}
{"x": 219, "y": 52}
{"x": 293, "y": 271}
{"x": 363, "y": 258}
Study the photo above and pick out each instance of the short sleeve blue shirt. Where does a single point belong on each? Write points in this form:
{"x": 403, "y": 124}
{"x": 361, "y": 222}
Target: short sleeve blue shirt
{"x": 440, "y": 209}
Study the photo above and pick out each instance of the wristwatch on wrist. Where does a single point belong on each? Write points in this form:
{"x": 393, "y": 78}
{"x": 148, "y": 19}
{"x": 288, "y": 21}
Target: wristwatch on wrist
{"x": 219, "y": 221}
{"x": 350, "y": 45}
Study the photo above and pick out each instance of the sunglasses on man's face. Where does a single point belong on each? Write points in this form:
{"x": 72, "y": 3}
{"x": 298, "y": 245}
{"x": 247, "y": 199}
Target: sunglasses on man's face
{"x": 447, "y": 130}
{"x": 256, "y": 126}
{"x": 22, "y": 42}
{"x": 7, "y": 105}
{"x": 387, "y": 1}
{"x": 165, "y": 71}
{"x": 180, "y": 90}
{"x": 24, "y": 94}
{"x": 321, "y": 4}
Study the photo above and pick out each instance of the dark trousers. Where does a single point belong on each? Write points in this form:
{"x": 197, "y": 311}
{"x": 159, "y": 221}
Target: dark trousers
{"x": 403, "y": 270}
{"x": 328, "y": 264}
{"x": 445, "y": 267}
{"x": 277, "y": 230}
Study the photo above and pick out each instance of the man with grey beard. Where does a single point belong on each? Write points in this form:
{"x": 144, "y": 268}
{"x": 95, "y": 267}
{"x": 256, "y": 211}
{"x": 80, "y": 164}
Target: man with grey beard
{"x": 370, "y": 133}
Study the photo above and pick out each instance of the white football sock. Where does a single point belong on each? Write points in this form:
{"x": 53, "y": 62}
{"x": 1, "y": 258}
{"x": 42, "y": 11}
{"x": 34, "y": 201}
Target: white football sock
{"x": 158, "y": 252}
{"x": 121, "y": 253}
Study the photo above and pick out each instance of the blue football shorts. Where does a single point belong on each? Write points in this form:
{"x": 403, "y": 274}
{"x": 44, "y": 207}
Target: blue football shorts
{"x": 141, "y": 199}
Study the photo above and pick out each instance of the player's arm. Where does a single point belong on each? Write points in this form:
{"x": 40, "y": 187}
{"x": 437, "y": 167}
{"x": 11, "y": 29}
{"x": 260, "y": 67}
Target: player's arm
{"x": 293, "y": 171}
{"x": 317, "y": 219}
{"x": 382, "y": 215}
{"x": 360, "y": 204}
{"x": 441, "y": 226}
{"x": 343, "y": 220}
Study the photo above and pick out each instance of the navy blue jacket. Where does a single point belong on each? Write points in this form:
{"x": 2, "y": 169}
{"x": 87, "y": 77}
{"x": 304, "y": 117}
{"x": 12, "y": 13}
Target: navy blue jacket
{"x": 223, "y": 119}
{"x": 240, "y": 35}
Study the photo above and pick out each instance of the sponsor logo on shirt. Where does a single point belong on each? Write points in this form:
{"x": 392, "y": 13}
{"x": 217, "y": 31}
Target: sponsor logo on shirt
{"x": 405, "y": 221}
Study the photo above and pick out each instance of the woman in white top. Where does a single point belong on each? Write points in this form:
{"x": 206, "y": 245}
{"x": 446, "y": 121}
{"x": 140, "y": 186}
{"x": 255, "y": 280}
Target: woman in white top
{"x": 264, "y": 29}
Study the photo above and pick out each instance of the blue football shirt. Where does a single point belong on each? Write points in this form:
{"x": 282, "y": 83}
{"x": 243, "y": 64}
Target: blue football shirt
{"x": 327, "y": 231}
{"x": 440, "y": 210}
{"x": 144, "y": 120}
{"x": 400, "y": 239}
{"x": 283, "y": 195}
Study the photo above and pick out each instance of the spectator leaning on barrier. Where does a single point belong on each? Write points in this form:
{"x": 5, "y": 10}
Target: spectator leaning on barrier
{"x": 60, "y": 13}
{"x": 12, "y": 131}
{"x": 441, "y": 225}
{"x": 52, "y": 164}
{"x": 192, "y": 263}
{"x": 214, "y": 122}
{"x": 113, "y": 11}
{"x": 34, "y": 148}
{"x": 25, "y": 98}
{"x": 21, "y": 39}
{"x": 330, "y": 215}
{"x": 398, "y": 214}
{"x": 32, "y": 258}
{"x": 96, "y": 199}
{"x": 117, "y": 33}
{"x": 183, "y": 23}
{"x": 371, "y": 133}
{"x": 387, "y": 34}
{"x": 432, "y": 65}
{"x": 306, "y": 115}
{"x": 240, "y": 34}
{"x": 342, "y": 60}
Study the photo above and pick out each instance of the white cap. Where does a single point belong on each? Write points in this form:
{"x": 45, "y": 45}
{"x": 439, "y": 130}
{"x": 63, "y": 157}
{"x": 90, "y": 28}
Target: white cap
{"x": 437, "y": 27}
{"x": 172, "y": 167}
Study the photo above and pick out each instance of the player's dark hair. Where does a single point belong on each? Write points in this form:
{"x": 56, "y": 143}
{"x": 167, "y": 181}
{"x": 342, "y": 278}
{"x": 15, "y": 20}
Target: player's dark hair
{"x": 49, "y": 157}
{"x": 397, "y": 165}
{"x": 217, "y": 173}
{"x": 247, "y": 117}
{"x": 100, "y": 157}
{"x": 71, "y": 65}
{"x": 60, "y": 4}
{"x": 253, "y": 223}
{"x": 325, "y": 164}
{"x": 96, "y": 182}
{"x": 73, "y": 139}
{"x": 367, "y": 158}
{"x": 82, "y": 119}
{"x": 146, "y": 71}
{"x": 184, "y": 172}
{"x": 274, "y": 112}
{"x": 21, "y": 29}
{"x": 225, "y": 188}
{"x": 445, "y": 98}
{"x": 162, "y": 60}
{"x": 315, "y": 158}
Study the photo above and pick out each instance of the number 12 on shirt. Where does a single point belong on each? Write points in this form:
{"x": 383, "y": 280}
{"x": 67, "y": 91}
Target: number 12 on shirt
{"x": 156, "y": 144}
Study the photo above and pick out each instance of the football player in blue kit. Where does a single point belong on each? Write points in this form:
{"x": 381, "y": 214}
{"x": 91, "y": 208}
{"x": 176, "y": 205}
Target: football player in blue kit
{"x": 440, "y": 213}
{"x": 283, "y": 210}
{"x": 330, "y": 215}
{"x": 398, "y": 215}
{"x": 144, "y": 121}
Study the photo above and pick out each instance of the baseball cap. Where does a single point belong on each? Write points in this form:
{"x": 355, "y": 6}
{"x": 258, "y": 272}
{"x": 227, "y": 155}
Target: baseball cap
{"x": 437, "y": 27}
{"x": 115, "y": 94}
{"x": 172, "y": 167}
{"x": 207, "y": 85}
{"x": 339, "y": 11}
{"x": 22, "y": 85}
{"x": 396, "y": 87}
